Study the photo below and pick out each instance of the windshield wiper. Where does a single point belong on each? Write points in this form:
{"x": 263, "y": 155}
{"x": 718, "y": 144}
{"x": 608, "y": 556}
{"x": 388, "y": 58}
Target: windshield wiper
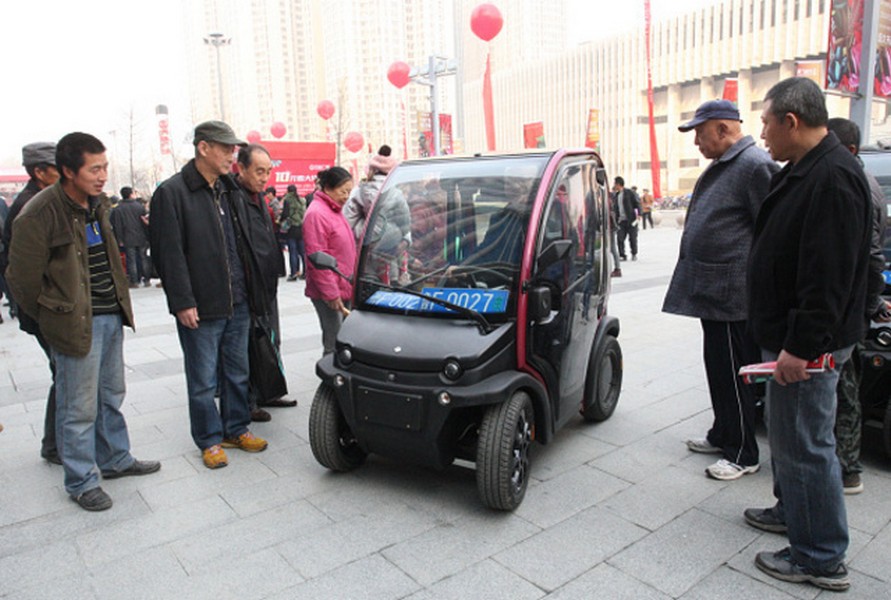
{"x": 475, "y": 316}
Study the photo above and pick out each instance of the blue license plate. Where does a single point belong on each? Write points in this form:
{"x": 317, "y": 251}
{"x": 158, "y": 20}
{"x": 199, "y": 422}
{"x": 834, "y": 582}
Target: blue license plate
{"x": 482, "y": 301}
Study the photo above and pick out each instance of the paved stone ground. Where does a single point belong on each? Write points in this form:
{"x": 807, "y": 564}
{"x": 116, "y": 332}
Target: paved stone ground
{"x": 616, "y": 510}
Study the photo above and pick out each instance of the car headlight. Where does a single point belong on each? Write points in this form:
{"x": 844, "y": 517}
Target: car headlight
{"x": 345, "y": 355}
{"x": 883, "y": 337}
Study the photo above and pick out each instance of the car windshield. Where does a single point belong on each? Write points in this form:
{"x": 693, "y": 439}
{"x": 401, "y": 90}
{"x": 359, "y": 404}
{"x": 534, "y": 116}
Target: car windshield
{"x": 450, "y": 229}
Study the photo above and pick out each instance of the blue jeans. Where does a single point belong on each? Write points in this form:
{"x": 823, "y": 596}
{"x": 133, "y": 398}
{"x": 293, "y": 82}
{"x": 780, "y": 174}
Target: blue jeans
{"x": 807, "y": 475}
{"x": 295, "y": 255}
{"x": 218, "y": 348}
{"x": 135, "y": 268}
{"x": 90, "y": 429}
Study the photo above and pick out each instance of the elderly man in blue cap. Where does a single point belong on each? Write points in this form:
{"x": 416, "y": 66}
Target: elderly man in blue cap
{"x": 709, "y": 281}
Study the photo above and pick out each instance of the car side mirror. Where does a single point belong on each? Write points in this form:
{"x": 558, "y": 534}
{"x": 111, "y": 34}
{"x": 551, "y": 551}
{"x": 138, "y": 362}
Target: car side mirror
{"x": 553, "y": 253}
{"x": 539, "y": 303}
{"x": 324, "y": 261}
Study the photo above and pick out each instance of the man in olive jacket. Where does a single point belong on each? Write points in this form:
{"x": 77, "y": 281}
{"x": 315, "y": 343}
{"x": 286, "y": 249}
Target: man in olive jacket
{"x": 66, "y": 273}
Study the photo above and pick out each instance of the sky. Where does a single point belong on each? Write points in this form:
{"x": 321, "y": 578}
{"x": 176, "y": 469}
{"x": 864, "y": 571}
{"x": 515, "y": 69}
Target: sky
{"x": 81, "y": 65}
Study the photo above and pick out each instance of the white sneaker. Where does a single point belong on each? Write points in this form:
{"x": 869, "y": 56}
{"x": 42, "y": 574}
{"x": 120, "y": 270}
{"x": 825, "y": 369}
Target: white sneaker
{"x": 702, "y": 446}
{"x": 727, "y": 471}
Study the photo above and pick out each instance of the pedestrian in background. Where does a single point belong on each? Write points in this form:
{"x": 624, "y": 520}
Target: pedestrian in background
{"x": 203, "y": 255}
{"x": 291, "y": 225}
{"x": 646, "y": 206}
{"x": 66, "y": 273}
{"x": 39, "y": 160}
{"x": 709, "y": 281}
{"x": 129, "y": 222}
{"x": 849, "y": 419}
{"x": 626, "y": 208}
{"x": 807, "y": 280}
{"x": 326, "y": 230}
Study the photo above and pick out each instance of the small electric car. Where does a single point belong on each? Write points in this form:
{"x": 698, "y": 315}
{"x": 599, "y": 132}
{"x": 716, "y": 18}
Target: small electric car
{"x": 479, "y": 321}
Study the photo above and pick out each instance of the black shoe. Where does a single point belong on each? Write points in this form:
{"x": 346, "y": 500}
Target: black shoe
{"x": 765, "y": 519}
{"x": 139, "y": 467}
{"x": 51, "y": 457}
{"x": 780, "y": 565}
{"x": 623, "y": 258}
{"x": 292, "y": 278}
{"x": 278, "y": 403}
{"x": 94, "y": 500}
{"x": 258, "y": 415}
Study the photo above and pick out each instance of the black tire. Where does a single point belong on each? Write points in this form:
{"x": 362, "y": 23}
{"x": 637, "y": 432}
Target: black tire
{"x": 332, "y": 442}
{"x": 604, "y": 382}
{"x": 502, "y": 452}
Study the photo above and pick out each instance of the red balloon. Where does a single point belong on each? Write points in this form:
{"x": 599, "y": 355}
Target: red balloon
{"x": 325, "y": 109}
{"x": 353, "y": 141}
{"x": 486, "y": 21}
{"x": 253, "y": 136}
{"x": 278, "y": 129}
{"x": 399, "y": 74}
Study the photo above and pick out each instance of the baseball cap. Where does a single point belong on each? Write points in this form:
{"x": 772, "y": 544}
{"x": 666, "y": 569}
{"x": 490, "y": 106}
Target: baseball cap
{"x": 39, "y": 153}
{"x": 713, "y": 109}
{"x": 216, "y": 131}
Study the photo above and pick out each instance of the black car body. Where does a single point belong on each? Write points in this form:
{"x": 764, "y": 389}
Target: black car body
{"x": 481, "y": 325}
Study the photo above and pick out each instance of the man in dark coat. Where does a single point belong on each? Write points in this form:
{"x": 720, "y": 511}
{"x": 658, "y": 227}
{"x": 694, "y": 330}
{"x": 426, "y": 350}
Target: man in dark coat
{"x": 709, "y": 280}
{"x": 254, "y": 169}
{"x": 129, "y": 221}
{"x": 39, "y": 160}
{"x": 807, "y": 282}
{"x": 626, "y": 208}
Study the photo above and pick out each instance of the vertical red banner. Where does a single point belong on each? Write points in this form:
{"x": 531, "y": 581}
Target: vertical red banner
{"x": 592, "y": 137}
{"x": 488, "y": 107}
{"x": 731, "y": 90}
{"x": 533, "y": 135}
{"x": 655, "y": 166}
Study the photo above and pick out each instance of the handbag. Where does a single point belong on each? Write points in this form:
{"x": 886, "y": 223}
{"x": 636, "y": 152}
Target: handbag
{"x": 267, "y": 372}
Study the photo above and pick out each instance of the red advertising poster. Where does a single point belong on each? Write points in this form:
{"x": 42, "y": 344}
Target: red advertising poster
{"x": 883, "y": 53}
{"x": 163, "y": 128}
{"x": 845, "y": 45}
{"x": 297, "y": 163}
{"x": 592, "y": 138}
{"x": 533, "y": 135}
{"x": 425, "y": 139}
{"x": 731, "y": 90}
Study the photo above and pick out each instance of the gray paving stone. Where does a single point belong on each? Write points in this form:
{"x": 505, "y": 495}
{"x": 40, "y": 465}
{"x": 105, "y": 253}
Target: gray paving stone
{"x": 21, "y": 570}
{"x": 139, "y": 574}
{"x": 661, "y": 497}
{"x": 451, "y": 547}
{"x": 567, "y": 494}
{"x": 70, "y": 587}
{"x": 567, "y": 451}
{"x": 684, "y": 552}
{"x": 604, "y": 581}
{"x": 873, "y": 558}
{"x": 371, "y": 578}
{"x": 498, "y": 583}
{"x": 561, "y": 553}
{"x": 724, "y": 582}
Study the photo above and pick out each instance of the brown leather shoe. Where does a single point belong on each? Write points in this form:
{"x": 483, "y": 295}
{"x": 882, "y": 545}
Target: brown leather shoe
{"x": 247, "y": 441}
{"x": 258, "y": 415}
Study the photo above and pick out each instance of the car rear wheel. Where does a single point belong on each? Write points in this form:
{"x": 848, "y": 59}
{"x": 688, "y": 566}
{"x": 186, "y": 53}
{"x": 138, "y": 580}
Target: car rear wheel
{"x": 332, "y": 442}
{"x": 502, "y": 457}
{"x": 604, "y": 385}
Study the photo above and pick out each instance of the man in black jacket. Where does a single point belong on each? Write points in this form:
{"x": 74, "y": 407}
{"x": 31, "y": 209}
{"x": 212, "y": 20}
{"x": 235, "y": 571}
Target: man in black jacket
{"x": 807, "y": 285}
{"x": 201, "y": 249}
{"x": 626, "y": 208}
{"x": 129, "y": 221}
{"x": 39, "y": 160}
{"x": 254, "y": 169}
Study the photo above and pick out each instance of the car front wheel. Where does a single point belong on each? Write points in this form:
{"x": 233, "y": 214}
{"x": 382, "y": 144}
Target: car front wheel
{"x": 502, "y": 457}
{"x": 332, "y": 442}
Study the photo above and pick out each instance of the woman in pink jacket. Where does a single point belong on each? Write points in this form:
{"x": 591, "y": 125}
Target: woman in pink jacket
{"x": 326, "y": 229}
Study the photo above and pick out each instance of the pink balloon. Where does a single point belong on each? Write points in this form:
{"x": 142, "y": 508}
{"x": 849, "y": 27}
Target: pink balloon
{"x": 486, "y": 21}
{"x": 353, "y": 141}
{"x": 399, "y": 74}
{"x": 325, "y": 109}
{"x": 278, "y": 129}
{"x": 253, "y": 136}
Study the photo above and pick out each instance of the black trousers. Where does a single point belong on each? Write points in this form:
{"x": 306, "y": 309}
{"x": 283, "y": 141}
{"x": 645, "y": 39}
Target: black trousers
{"x": 48, "y": 444}
{"x": 726, "y": 347}
{"x": 629, "y": 230}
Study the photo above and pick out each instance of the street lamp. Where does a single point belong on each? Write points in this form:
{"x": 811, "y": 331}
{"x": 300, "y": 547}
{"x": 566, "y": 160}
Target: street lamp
{"x": 437, "y": 66}
{"x": 216, "y": 40}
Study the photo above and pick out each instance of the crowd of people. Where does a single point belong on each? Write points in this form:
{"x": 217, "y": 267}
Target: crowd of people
{"x": 778, "y": 264}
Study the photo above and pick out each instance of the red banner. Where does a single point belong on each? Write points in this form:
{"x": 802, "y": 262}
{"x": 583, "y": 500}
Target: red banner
{"x": 298, "y": 163}
{"x": 731, "y": 90}
{"x": 882, "y": 86}
{"x": 655, "y": 168}
{"x": 488, "y": 106}
{"x": 533, "y": 135}
{"x": 425, "y": 140}
{"x": 163, "y": 128}
{"x": 845, "y": 46}
{"x": 592, "y": 138}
